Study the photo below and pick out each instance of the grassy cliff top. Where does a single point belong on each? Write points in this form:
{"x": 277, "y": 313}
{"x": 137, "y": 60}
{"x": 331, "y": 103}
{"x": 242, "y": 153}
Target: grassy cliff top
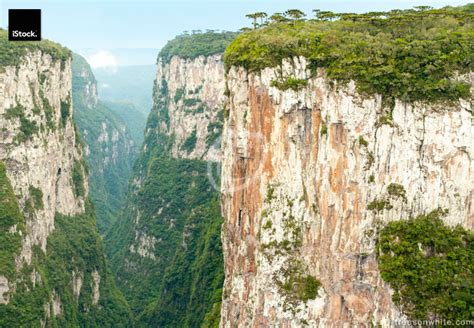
{"x": 11, "y": 52}
{"x": 406, "y": 54}
{"x": 190, "y": 46}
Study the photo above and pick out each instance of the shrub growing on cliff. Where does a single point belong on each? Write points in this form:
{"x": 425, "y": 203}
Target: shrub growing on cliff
{"x": 78, "y": 179}
{"x": 429, "y": 266}
{"x": 289, "y": 83}
{"x": 410, "y": 55}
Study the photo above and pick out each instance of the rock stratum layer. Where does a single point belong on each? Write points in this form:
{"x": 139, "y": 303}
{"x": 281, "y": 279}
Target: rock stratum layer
{"x": 306, "y": 187}
{"x": 52, "y": 264}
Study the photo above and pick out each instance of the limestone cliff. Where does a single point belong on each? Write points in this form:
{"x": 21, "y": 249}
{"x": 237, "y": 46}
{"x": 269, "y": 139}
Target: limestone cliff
{"x": 44, "y": 200}
{"x": 302, "y": 179}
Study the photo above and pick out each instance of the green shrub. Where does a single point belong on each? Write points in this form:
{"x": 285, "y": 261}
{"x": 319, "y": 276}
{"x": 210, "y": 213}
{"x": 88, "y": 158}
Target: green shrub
{"x": 289, "y": 83}
{"x": 189, "y": 102}
{"x": 190, "y": 143}
{"x": 65, "y": 111}
{"x": 429, "y": 267}
{"x": 396, "y": 190}
{"x": 78, "y": 179}
{"x": 178, "y": 95}
{"x": 295, "y": 285}
{"x": 10, "y": 216}
{"x": 378, "y": 205}
{"x": 36, "y": 196}
{"x": 363, "y": 142}
{"x": 324, "y": 129}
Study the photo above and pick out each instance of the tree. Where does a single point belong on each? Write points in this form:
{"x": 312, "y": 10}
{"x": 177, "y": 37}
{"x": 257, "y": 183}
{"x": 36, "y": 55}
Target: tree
{"x": 261, "y": 15}
{"x": 256, "y": 16}
{"x": 325, "y": 15}
{"x": 278, "y": 18}
{"x": 253, "y": 16}
{"x": 423, "y": 8}
{"x": 295, "y": 14}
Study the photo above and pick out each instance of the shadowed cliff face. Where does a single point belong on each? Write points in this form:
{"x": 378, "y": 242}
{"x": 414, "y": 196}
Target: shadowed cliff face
{"x": 308, "y": 180}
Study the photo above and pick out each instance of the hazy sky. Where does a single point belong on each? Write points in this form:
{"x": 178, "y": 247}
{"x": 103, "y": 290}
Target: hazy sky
{"x": 108, "y": 24}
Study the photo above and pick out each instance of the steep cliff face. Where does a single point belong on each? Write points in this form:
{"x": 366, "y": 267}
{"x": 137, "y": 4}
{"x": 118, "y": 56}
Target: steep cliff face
{"x": 195, "y": 102}
{"x": 311, "y": 176}
{"x": 166, "y": 247}
{"x": 44, "y": 279}
{"x": 109, "y": 148}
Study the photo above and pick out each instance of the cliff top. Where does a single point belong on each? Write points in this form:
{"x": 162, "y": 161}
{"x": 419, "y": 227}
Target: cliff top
{"x": 11, "y": 53}
{"x": 406, "y": 54}
{"x": 190, "y": 46}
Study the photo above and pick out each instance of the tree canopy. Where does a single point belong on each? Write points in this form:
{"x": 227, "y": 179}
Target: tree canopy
{"x": 412, "y": 55}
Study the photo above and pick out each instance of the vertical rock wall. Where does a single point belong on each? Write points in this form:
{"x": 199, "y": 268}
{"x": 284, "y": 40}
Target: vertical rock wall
{"x": 299, "y": 172}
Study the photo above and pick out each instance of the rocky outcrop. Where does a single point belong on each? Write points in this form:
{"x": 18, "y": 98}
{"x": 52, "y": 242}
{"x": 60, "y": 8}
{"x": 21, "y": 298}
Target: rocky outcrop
{"x": 194, "y": 97}
{"x": 38, "y": 143}
{"x": 308, "y": 179}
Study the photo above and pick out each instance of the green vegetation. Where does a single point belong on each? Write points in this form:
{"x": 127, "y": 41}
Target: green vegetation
{"x": 179, "y": 207}
{"x": 179, "y": 283}
{"x": 429, "y": 267}
{"x": 27, "y": 128}
{"x": 13, "y": 52}
{"x": 292, "y": 279}
{"x": 179, "y": 94}
{"x": 214, "y": 129}
{"x": 189, "y": 102}
{"x": 396, "y": 190}
{"x": 371, "y": 178}
{"x": 48, "y": 111}
{"x": 378, "y": 205}
{"x": 190, "y": 143}
{"x": 10, "y": 218}
{"x": 363, "y": 142}
{"x": 108, "y": 180}
{"x": 324, "y": 129}
{"x": 411, "y": 55}
{"x": 190, "y": 46}
{"x": 65, "y": 111}
{"x": 289, "y": 83}
{"x": 36, "y": 196}
{"x": 296, "y": 285}
{"x": 78, "y": 179}
{"x": 73, "y": 246}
